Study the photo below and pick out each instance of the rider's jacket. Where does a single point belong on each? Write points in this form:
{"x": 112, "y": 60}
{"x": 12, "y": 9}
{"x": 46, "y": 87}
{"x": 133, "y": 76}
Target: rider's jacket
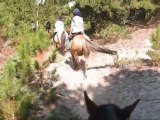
{"x": 77, "y": 25}
{"x": 59, "y": 26}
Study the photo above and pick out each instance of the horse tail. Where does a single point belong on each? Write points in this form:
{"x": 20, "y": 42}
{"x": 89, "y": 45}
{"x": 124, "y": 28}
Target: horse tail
{"x": 96, "y": 48}
{"x": 63, "y": 38}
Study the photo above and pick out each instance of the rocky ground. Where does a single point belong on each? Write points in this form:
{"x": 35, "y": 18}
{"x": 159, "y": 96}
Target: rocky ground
{"x": 107, "y": 83}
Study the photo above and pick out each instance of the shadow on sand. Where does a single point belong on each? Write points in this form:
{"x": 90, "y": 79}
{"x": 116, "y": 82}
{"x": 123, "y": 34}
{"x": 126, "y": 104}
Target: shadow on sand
{"x": 123, "y": 88}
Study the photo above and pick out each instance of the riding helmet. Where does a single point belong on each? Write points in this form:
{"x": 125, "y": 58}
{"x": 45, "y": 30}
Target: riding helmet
{"x": 76, "y": 12}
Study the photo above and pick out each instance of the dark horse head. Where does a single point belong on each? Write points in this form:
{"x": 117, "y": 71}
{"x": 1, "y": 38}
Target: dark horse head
{"x": 108, "y": 111}
{"x": 47, "y": 25}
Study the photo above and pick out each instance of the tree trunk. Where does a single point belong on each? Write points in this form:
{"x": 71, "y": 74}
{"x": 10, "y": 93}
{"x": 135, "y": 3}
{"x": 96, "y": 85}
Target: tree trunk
{"x": 132, "y": 12}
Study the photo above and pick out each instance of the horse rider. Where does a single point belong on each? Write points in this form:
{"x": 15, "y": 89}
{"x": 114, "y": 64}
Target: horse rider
{"x": 77, "y": 27}
{"x": 47, "y": 25}
{"x": 77, "y": 24}
{"x": 59, "y": 27}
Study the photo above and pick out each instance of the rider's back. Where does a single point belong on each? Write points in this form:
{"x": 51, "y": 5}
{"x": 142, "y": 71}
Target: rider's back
{"x": 59, "y": 26}
{"x": 77, "y": 24}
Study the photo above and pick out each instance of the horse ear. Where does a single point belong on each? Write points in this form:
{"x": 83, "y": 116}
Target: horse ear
{"x": 129, "y": 109}
{"x": 91, "y": 106}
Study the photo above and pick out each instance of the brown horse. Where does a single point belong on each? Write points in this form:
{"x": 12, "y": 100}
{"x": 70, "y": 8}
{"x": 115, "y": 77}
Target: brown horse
{"x": 59, "y": 40}
{"x": 81, "y": 46}
{"x": 108, "y": 111}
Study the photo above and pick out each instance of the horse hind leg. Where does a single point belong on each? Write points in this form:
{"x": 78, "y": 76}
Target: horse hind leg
{"x": 62, "y": 50}
{"x": 85, "y": 67}
{"x": 86, "y": 53}
{"x": 75, "y": 62}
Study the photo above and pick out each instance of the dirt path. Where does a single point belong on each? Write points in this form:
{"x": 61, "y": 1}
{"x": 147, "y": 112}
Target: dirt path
{"x": 107, "y": 84}
{"x": 5, "y": 51}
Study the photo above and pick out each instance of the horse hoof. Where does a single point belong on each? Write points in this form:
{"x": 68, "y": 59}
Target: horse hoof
{"x": 85, "y": 76}
{"x": 76, "y": 68}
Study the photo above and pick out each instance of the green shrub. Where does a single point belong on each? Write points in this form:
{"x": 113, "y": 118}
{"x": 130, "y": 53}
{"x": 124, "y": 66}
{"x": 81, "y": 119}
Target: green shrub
{"x": 25, "y": 107}
{"x": 52, "y": 94}
{"x": 113, "y": 32}
{"x": 21, "y": 101}
{"x": 155, "y": 54}
{"x": 17, "y": 73}
{"x": 148, "y": 8}
{"x": 8, "y": 95}
{"x": 156, "y": 39}
{"x": 1, "y": 113}
{"x": 119, "y": 13}
{"x": 33, "y": 42}
{"x": 36, "y": 65}
{"x": 26, "y": 72}
{"x": 15, "y": 102}
{"x": 52, "y": 57}
{"x": 9, "y": 80}
{"x": 7, "y": 111}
